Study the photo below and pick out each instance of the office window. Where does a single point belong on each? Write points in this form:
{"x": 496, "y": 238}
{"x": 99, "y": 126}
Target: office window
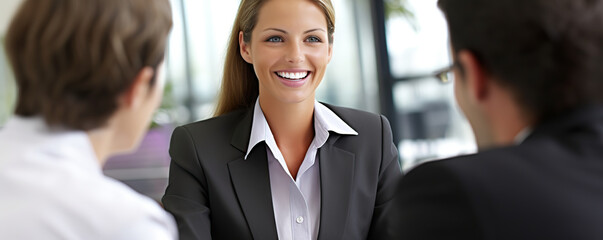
{"x": 430, "y": 124}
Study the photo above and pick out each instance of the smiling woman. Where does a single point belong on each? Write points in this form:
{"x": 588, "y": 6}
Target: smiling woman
{"x": 275, "y": 163}
{"x": 282, "y": 43}
{"x": 240, "y": 87}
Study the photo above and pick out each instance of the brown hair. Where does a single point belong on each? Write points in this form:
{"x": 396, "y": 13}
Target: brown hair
{"x": 73, "y": 58}
{"x": 239, "y": 83}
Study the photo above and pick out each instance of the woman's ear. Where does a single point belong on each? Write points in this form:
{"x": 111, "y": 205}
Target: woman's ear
{"x": 245, "y": 49}
{"x": 138, "y": 92}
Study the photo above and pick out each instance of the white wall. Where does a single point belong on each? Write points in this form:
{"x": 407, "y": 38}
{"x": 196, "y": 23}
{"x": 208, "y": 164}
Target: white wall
{"x": 7, "y": 9}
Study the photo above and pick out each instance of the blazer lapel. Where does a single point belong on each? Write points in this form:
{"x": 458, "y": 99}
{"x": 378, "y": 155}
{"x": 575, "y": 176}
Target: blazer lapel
{"x": 336, "y": 176}
{"x": 251, "y": 182}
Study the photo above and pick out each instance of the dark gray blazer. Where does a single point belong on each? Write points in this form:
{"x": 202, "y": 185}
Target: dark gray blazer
{"x": 548, "y": 187}
{"x": 215, "y": 194}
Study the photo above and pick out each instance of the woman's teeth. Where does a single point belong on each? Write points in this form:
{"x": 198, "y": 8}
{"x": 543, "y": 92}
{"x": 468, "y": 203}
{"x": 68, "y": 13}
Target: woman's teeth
{"x": 292, "y": 75}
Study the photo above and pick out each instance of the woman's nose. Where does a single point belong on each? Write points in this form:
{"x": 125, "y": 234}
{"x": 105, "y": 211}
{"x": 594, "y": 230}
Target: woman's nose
{"x": 295, "y": 53}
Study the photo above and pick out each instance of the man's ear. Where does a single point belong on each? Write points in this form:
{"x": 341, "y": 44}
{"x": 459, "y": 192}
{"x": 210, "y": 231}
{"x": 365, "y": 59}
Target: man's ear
{"x": 475, "y": 76}
{"x": 139, "y": 90}
{"x": 245, "y": 49}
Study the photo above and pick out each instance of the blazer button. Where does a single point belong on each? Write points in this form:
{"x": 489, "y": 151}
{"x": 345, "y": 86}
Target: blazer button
{"x": 299, "y": 219}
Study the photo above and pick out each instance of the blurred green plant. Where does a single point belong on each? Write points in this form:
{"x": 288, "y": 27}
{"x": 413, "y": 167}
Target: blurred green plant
{"x": 164, "y": 114}
{"x": 398, "y": 8}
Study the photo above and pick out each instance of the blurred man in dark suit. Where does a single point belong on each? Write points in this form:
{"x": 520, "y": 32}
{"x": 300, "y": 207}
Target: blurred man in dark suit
{"x": 529, "y": 78}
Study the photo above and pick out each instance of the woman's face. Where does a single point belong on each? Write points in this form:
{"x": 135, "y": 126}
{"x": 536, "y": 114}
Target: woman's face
{"x": 289, "y": 50}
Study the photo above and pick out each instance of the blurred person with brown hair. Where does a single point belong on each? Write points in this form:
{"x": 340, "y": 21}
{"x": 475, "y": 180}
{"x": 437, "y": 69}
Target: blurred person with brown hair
{"x": 529, "y": 78}
{"x": 275, "y": 163}
{"x": 89, "y": 78}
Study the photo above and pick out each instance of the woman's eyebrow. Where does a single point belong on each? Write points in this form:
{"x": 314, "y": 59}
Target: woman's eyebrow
{"x": 315, "y": 29}
{"x": 285, "y": 32}
{"x": 275, "y": 29}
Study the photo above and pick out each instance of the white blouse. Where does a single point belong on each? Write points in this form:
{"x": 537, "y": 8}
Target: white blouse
{"x": 296, "y": 202}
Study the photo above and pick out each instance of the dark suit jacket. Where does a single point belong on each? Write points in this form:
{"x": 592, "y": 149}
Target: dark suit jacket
{"x": 214, "y": 193}
{"x": 548, "y": 187}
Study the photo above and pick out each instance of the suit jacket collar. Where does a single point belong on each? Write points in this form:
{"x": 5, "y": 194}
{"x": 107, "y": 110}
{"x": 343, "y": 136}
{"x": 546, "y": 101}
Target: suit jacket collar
{"x": 336, "y": 179}
{"x": 251, "y": 181}
{"x": 240, "y": 138}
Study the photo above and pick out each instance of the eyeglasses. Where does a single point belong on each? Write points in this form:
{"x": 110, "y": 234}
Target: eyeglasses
{"x": 445, "y": 75}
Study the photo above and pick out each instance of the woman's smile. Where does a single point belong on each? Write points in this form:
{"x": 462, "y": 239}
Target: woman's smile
{"x": 293, "y": 78}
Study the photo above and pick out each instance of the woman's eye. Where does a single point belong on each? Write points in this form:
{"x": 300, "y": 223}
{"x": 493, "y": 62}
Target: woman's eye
{"x": 274, "y": 39}
{"x": 313, "y": 39}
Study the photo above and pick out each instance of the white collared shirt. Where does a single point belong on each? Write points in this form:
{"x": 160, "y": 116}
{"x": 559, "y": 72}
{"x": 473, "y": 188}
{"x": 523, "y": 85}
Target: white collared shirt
{"x": 296, "y": 202}
{"x": 52, "y": 187}
{"x": 522, "y": 135}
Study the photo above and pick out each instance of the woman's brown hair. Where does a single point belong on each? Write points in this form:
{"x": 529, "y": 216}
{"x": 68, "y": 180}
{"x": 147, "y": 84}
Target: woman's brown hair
{"x": 239, "y": 83}
{"x": 73, "y": 58}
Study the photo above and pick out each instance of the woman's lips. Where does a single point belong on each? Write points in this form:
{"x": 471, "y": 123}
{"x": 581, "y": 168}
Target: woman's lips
{"x": 293, "y": 79}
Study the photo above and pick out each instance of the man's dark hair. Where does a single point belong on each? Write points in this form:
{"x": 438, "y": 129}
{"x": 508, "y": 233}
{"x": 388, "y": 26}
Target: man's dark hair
{"x": 548, "y": 52}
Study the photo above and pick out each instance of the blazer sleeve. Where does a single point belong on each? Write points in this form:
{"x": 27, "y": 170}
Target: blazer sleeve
{"x": 186, "y": 195}
{"x": 389, "y": 175}
{"x": 431, "y": 204}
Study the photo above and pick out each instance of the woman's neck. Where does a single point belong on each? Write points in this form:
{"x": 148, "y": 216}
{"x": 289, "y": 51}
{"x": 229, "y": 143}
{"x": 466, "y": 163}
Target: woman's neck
{"x": 290, "y": 121}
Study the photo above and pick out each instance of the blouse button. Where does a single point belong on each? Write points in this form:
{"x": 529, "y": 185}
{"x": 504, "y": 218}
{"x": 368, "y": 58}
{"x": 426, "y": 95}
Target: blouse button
{"x": 299, "y": 219}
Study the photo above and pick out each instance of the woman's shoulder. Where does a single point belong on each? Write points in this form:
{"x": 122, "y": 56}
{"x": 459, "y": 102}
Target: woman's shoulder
{"x": 356, "y": 118}
{"x": 216, "y": 130}
{"x": 223, "y": 122}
